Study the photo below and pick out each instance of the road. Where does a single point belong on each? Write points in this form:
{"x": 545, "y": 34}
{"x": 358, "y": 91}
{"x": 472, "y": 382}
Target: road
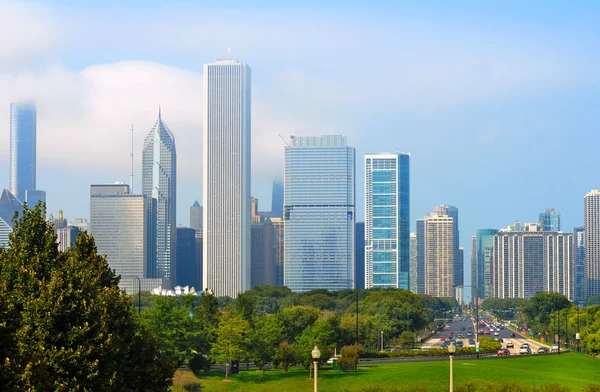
{"x": 466, "y": 325}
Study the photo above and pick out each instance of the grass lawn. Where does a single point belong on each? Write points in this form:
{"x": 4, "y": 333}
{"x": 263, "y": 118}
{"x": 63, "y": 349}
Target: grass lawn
{"x": 572, "y": 370}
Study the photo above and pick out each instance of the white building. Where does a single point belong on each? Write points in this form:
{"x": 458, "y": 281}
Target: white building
{"x": 226, "y": 178}
{"x": 591, "y": 210}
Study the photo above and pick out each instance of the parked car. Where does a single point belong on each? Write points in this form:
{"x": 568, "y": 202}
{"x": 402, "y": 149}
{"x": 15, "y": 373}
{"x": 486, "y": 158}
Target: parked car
{"x": 503, "y": 351}
{"x": 543, "y": 350}
{"x": 509, "y": 344}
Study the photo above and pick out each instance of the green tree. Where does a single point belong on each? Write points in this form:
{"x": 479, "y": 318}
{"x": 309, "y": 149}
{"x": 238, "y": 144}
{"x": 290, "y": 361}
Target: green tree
{"x": 349, "y": 356}
{"x": 64, "y": 324}
{"x": 296, "y": 319}
{"x": 285, "y": 355}
{"x": 324, "y": 334}
{"x": 231, "y": 340}
{"x": 264, "y": 338}
{"x": 407, "y": 339}
{"x": 538, "y": 308}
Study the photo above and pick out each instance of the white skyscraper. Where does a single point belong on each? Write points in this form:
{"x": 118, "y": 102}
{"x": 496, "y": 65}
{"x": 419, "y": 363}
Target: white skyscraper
{"x": 159, "y": 179}
{"x": 226, "y": 178}
{"x": 592, "y": 243}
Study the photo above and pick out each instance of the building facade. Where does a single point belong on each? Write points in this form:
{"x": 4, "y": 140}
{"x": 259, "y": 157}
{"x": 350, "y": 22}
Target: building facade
{"x": 439, "y": 255}
{"x": 159, "y": 180}
{"x": 187, "y": 270}
{"x": 263, "y": 253}
{"x": 421, "y": 256}
{"x": 279, "y": 253}
{"x": 319, "y": 213}
{"x": 591, "y": 226}
{"x": 226, "y": 177}
{"x": 413, "y": 263}
{"x": 196, "y": 216}
{"x": 359, "y": 254}
{"x": 550, "y": 220}
{"x": 66, "y": 237}
{"x": 277, "y": 199}
{"x": 9, "y": 205}
{"x": 474, "y": 280}
{"x": 452, "y": 212}
{"x": 579, "y": 262}
{"x": 387, "y": 220}
{"x": 484, "y": 253}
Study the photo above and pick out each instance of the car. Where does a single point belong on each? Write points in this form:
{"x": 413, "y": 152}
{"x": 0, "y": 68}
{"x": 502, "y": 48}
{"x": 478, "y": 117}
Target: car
{"x": 444, "y": 345}
{"x": 487, "y": 332}
{"x": 496, "y": 333}
{"x": 472, "y": 343}
{"x": 459, "y": 344}
{"x": 492, "y": 329}
{"x": 555, "y": 347}
{"x": 469, "y": 334}
{"x": 442, "y": 339}
{"x": 503, "y": 351}
{"x": 524, "y": 349}
{"x": 512, "y": 335}
{"x": 451, "y": 334}
{"x": 509, "y": 344}
{"x": 500, "y": 340}
{"x": 543, "y": 350}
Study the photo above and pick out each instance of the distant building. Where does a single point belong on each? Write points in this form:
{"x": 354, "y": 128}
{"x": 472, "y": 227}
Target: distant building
{"x": 66, "y": 237}
{"x": 452, "y": 212}
{"x": 420, "y": 256}
{"x": 387, "y": 220}
{"x": 474, "y": 279}
{"x": 9, "y": 205}
{"x": 484, "y": 253}
{"x": 277, "y": 199}
{"x": 254, "y": 216}
{"x": 196, "y": 216}
{"x": 592, "y": 243}
{"x": 124, "y": 227}
{"x": 263, "y": 253}
{"x": 279, "y": 254}
{"x": 199, "y": 242}
{"x": 319, "y": 213}
{"x": 359, "y": 254}
{"x": 61, "y": 222}
{"x": 550, "y": 220}
{"x": 460, "y": 290}
{"x": 81, "y": 223}
{"x": 579, "y": 262}
{"x": 414, "y": 276}
{"x": 439, "y": 255}
{"x": 226, "y": 177}
{"x": 187, "y": 271}
{"x": 22, "y": 163}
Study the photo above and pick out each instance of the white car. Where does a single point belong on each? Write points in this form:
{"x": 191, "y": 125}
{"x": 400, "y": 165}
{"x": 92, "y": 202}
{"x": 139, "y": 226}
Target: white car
{"x": 496, "y": 333}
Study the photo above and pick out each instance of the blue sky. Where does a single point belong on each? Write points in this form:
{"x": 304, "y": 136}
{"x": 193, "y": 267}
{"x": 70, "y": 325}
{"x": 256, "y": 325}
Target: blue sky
{"x": 497, "y": 103}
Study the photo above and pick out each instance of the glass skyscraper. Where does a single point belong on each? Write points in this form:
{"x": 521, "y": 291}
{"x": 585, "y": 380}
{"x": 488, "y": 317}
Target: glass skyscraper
{"x": 579, "y": 262}
{"x": 550, "y": 220}
{"x": 484, "y": 240}
{"x": 319, "y": 191}
{"x": 387, "y": 220}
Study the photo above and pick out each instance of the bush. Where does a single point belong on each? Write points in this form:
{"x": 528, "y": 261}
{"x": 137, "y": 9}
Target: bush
{"x": 349, "y": 356}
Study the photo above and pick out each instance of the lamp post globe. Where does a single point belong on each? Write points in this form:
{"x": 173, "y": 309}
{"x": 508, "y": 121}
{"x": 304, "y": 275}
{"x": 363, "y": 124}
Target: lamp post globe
{"x": 316, "y": 353}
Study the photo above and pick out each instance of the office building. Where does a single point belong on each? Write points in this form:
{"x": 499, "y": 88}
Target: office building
{"x": 187, "y": 270}
{"x": 484, "y": 252}
{"x": 263, "y": 257}
{"x": 413, "y": 263}
{"x": 226, "y": 177}
{"x": 359, "y": 254}
{"x": 9, "y": 205}
{"x": 460, "y": 294}
{"x": 420, "y": 256}
{"x": 81, "y": 223}
{"x": 22, "y": 163}
{"x": 66, "y": 237}
{"x": 159, "y": 179}
{"x": 279, "y": 254}
{"x": 61, "y": 222}
{"x": 579, "y": 262}
{"x": 196, "y": 216}
{"x": 387, "y": 220}
{"x": 439, "y": 255}
{"x": 277, "y": 199}
{"x": 592, "y": 243}
{"x": 319, "y": 213}
{"x": 452, "y": 212}
{"x": 123, "y": 226}
{"x": 550, "y": 220}
{"x": 474, "y": 288}
{"x": 528, "y": 262}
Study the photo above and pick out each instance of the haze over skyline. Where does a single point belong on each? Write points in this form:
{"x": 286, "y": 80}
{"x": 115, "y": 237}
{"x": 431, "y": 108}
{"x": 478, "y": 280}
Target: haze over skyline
{"x": 496, "y": 104}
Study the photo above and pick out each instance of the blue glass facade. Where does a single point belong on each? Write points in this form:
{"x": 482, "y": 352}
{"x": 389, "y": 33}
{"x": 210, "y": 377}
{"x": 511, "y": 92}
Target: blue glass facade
{"x": 579, "y": 262}
{"x": 485, "y": 252}
{"x": 22, "y": 149}
{"x": 387, "y": 220}
{"x": 319, "y": 213}
{"x": 359, "y": 254}
{"x": 550, "y": 220}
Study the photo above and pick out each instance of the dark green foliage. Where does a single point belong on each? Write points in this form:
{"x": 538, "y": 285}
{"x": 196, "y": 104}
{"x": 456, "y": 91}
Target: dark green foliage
{"x": 349, "y": 356}
{"x": 284, "y": 355}
{"x": 64, "y": 324}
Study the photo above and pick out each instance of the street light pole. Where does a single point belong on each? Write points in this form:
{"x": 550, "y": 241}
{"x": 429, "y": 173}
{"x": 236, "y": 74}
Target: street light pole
{"x": 316, "y": 354}
{"x": 451, "y": 350}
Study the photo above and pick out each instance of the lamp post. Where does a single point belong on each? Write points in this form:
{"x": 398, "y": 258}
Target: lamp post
{"x": 451, "y": 351}
{"x": 139, "y": 291}
{"x": 316, "y": 354}
{"x": 356, "y": 289}
{"x": 476, "y": 315}
{"x": 578, "y": 326}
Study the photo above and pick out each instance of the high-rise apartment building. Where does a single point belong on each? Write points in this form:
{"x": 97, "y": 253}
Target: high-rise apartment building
{"x": 420, "y": 256}
{"x": 528, "y": 262}
{"x": 452, "y": 212}
{"x": 414, "y": 277}
{"x": 579, "y": 262}
{"x": 159, "y": 180}
{"x": 66, "y": 237}
{"x": 359, "y": 254}
{"x": 226, "y": 177}
{"x": 9, "y": 204}
{"x": 319, "y": 213}
{"x": 277, "y": 199}
{"x": 22, "y": 164}
{"x": 196, "y": 216}
{"x": 387, "y": 220}
{"x": 474, "y": 288}
{"x": 123, "y": 226}
{"x": 187, "y": 271}
{"x": 439, "y": 255}
{"x": 591, "y": 225}
{"x": 263, "y": 253}
{"x": 484, "y": 252}
{"x": 279, "y": 253}
{"x": 550, "y": 220}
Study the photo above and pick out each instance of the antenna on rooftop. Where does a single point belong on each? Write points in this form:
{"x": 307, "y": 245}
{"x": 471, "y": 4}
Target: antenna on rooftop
{"x": 131, "y": 172}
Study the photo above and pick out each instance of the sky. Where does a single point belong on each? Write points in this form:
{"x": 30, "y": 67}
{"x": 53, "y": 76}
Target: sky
{"x": 497, "y": 103}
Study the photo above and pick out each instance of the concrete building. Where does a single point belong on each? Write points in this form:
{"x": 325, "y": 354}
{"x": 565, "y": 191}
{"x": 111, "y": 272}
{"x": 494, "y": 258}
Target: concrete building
{"x": 187, "y": 270}
{"x": 226, "y": 177}
{"x": 81, "y": 223}
{"x": 591, "y": 212}
{"x": 474, "y": 278}
{"x": 550, "y": 220}
{"x": 359, "y": 254}
{"x": 196, "y": 216}
{"x": 279, "y": 253}
{"x": 452, "y": 212}
{"x": 579, "y": 262}
{"x": 9, "y": 205}
{"x": 387, "y": 220}
{"x": 123, "y": 226}
{"x": 199, "y": 243}
{"x": 23, "y": 155}
{"x": 319, "y": 213}
{"x": 414, "y": 277}
{"x": 159, "y": 180}
{"x": 66, "y": 237}
{"x": 421, "y": 256}
{"x": 263, "y": 253}
{"x": 439, "y": 255}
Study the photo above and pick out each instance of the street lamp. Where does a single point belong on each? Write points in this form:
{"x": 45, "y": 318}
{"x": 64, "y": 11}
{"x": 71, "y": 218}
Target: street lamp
{"x": 476, "y": 315}
{"x": 356, "y": 289}
{"x": 316, "y": 354}
{"x": 451, "y": 351}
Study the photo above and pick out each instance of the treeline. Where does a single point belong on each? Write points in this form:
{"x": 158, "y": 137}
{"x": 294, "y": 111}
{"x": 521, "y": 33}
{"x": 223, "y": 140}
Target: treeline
{"x": 273, "y": 325}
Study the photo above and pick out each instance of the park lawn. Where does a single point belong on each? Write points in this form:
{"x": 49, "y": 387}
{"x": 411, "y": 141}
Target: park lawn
{"x": 573, "y": 370}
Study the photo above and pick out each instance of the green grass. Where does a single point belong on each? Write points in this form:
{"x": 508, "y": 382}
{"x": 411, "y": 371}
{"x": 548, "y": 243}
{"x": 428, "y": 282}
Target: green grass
{"x": 573, "y": 370}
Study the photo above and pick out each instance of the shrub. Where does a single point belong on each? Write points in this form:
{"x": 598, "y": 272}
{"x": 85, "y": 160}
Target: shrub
{"x": 349, "y": 356}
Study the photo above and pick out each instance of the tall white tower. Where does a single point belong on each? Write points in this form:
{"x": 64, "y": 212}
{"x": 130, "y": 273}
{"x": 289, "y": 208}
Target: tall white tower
{"x": 226, "y": 177}
{"x": 592, "y": 243}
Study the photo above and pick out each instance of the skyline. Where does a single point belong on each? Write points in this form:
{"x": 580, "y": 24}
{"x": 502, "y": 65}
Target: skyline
{"x": 499, "y": 90}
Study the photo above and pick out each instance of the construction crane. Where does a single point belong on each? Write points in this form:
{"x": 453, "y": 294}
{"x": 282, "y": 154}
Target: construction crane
{"x": 287, "y": 142}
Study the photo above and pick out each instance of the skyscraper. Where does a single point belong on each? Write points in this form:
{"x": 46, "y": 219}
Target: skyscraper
{"x": 579, "y": 262}
{"x": 319, "y": 213}
{"x": 484, "y": 252}
{"x": 9, "y": 204}
{"x": 159, "y": 180}
{"x": 196, "y": 216}
{"x": 474, "y": 292}
{"x": 452, "y": 212}
{"x": 277, "y": 199}
{"x": 420, "y": 256}
{"x": 66, "y": 237}
{"x": 359, "y": 254}
{"x": 279, "y": 254}
{"x": 263, "y": 253}
{"x": 226, "y": 177}
{"x": 592, "y": 243}
{"x": 123, "y": 227}
{"x": 22, "y": 163}
{"x": 187, "y": 271}
{"x": 387, "y": 220}
{"x": 414, "y": 277}
{"x": 550, "y": 220}
{"x": 439, "y": 255}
